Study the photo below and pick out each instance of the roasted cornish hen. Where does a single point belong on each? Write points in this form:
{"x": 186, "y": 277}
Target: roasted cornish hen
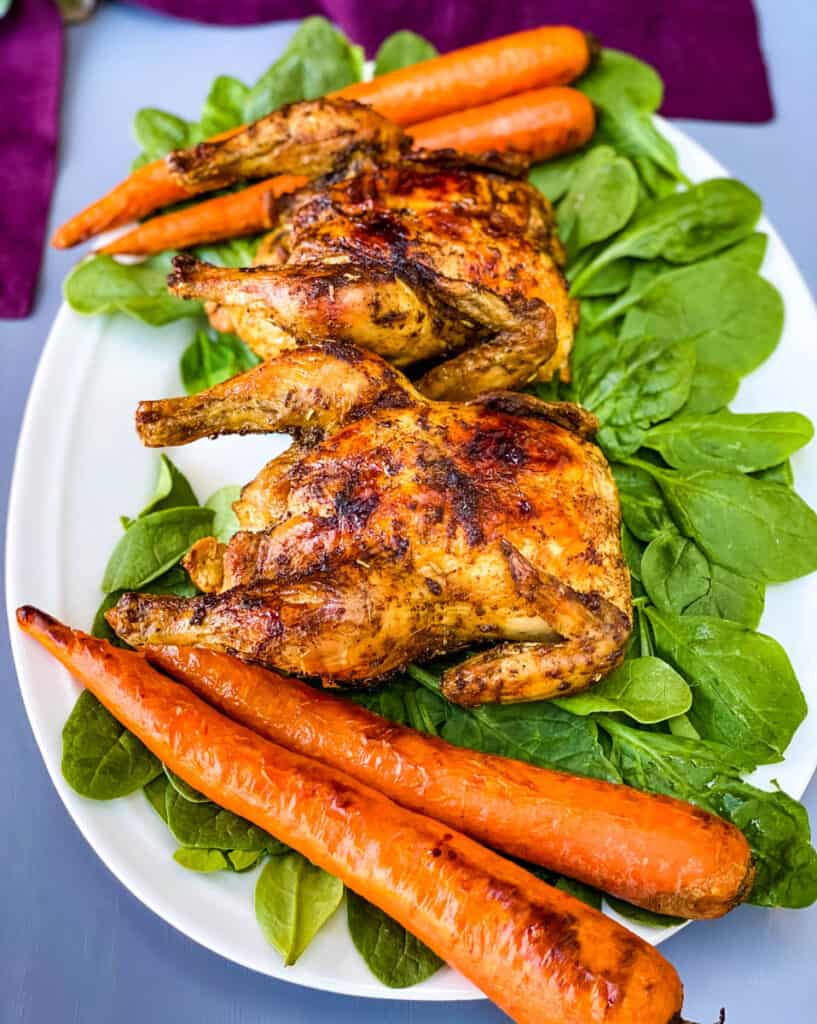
{"x": 428, "y": 257}
{"x": 397, "y": 528}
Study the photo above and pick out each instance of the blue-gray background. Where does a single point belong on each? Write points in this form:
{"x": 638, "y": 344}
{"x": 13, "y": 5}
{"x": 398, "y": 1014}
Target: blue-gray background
{"x": 74, "y": 944}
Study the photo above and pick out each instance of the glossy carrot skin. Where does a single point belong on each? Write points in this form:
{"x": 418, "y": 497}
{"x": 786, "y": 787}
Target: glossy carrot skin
{"x": 228, "y": 216}
{"x": 662, "y": 854}
{"x": 542, "y": 956}
{"x": 544, "y": 123}
{"x": 552, "y": 55}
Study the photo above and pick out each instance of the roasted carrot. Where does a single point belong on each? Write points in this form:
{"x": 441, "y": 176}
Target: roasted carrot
{"x": 542, "y": 956}
{"x": 662, "y": 854}
{"x": 542, "y": 124}
{"x": 230, "y": 216}
{"x": 551, "y": 55}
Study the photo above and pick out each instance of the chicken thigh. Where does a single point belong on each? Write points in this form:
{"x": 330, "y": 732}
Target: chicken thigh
{"x": 428, "y": 256}
{"x": 398, "y": 528}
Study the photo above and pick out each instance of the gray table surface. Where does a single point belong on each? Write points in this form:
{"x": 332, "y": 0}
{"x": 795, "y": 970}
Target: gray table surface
{"x": 75, "y": 945}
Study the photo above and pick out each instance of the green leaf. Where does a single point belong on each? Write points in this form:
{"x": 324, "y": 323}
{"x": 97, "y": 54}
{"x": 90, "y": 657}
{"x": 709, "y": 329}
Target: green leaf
{"x": 675, "y": 572}
{"x": 745, "y": 692}
{"x": 643, "y": 508}
{"x": 730, "y": 596}
{"x": 616, "y": 74}
{"x": 159, "y": 132}
{"x": 732, "y": 441}
{"x": 319, "y": 59}
{"x": 100, "y": 758}
{"x": 183, "y": 789}
{"x": 235, "y": 252}
{"x": 602, "y": 198}
{"x": 757, "y": 529}
{"x": 684, "y": 227}
{"x": 293, "y": 900}
{"x": 155, "y": 791}
{"x": 101, "y": 285}
{"x": 153, "y": 544}
{"x": 207, "y": 361}
{"x": 204, "y": 861}
{"x": 393, "y": 955}
{"x": 713, "y": 387}
{"x": 782, "y": 474}
{"x": 632, "y": 384}
{"x": 646, "y": 689}
{"x": 633, "y": 551}
{"x": 611, "y": 280}
{"x": 208, "y": 826}
{"x": 243, "y": 860}
{"x": 734, "y": 317}
{"x": 401, "y": 50}
{"x": 225, "y": 522}
{"x": 224, "y": 106}
{"x": 172, "y": 490}
{"x": 632, "y": 132}
{"x": 553, "y": 178}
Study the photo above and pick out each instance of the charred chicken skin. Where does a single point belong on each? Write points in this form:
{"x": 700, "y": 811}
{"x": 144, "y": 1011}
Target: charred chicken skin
{"x": 427, "y": 257}
{"x": 397, "y": 528}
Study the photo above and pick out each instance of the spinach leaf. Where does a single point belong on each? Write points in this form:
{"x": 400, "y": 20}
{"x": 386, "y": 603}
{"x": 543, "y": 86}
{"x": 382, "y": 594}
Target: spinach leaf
{"x": 777, "y": 828}
{"x": 633, "y": 383}
{"x": 730, "y": 596}
{"x": 602, "y": 198}
{"x": 207, "y": 361}
{"x": 235, "y": 252}
{"x": 683, "y": 227}
{"x": 101, "y": 285}
{"x": 643, "y": 508}
{"x": 225, "y": 522}
{"x": 553, "y": 177}
{"x": 708, "y": 774}
{"x": 675, "y": 572}
{"x": 205, "y": 861}
{"x": 632, "y": 132}
{"x": 401, "y": 50}
{"x": 100, "y": 758}
{"x": 319, "y": 59}
{"x": 293, "y": 900}
{"x": 155, "y": 791}
{"x": 159, "y": 132}
{"x": 392, "y": 954}
{"x": 728, "y": 440}
{"x": 646, "y": 689}
{"x": 734, "y": 316}
{"x": 172, "y": 489}
{"x": 633, "y": 550}
{"x": 537, "y": 732}
{"x": 782, "y": 474}
{"x": 614, "y": 279}
{"x": 153, "y": 544}
{"x": 712, "y": 388}
{"x": 183, "y": 789}
{"x": 616, "y": 75}
{"x": 224, "y": 106}
{"x": 744, "y": 691}
{"x": 174, "y": 581}
{"x": 243, "y": 860}
{"x": 755, "y": 528}
{"x": 209, "y": 826}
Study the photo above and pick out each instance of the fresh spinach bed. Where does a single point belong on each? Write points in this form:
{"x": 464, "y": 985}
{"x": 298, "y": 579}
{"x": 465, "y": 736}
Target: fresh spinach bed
{"x": 673, "y": 314}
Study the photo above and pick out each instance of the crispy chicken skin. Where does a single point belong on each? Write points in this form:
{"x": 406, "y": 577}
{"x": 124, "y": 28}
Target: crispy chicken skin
{"x": 428, "y": 256}
{"x": 397, "y": 528}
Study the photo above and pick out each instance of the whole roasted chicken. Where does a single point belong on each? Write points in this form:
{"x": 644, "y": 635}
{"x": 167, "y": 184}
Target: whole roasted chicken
{"x": 421, "y": 257}
{"x": 397, "y": 528}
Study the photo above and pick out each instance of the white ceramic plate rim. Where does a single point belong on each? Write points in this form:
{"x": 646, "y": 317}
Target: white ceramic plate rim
{"x": 36, "y": 495}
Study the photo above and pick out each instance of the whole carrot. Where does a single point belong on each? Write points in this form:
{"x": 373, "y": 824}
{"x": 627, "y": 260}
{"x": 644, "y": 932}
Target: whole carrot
{"x": 542, "y": 124}
{"x": 542, "y": 956}
{"x": 237, "y": 213}
{"x": 551, "y": 55}
{"x": 659, "y": 853}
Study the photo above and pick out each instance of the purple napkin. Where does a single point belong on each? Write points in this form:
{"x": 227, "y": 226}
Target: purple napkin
{"x": 707, "y": 52}
{"x": 31, "y": 67}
